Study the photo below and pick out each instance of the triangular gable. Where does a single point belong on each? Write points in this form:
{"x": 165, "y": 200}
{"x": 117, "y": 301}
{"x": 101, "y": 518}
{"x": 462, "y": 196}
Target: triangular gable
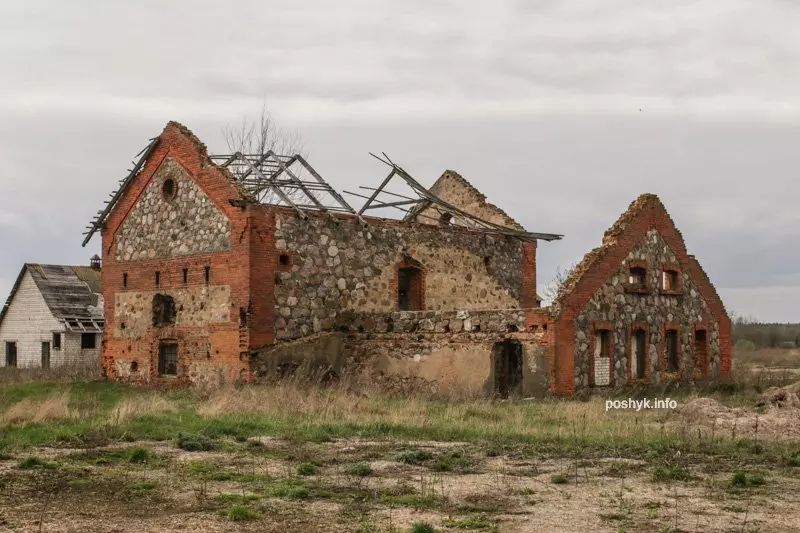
{"x": 13, "y": 292}
{"x": 179, "y": 143}
{"x": 645, "y": 213}
{"x": 457, "y": 191}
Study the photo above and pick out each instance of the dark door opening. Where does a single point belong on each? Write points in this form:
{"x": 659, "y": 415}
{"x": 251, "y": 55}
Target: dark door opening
{"x": 11, "y": 354}
{"x": 672, "y": 351}
{"x": 701, "y": 351}
{"x": 507, "y": 368}
{"x": 46, "y": 355}
{"x": 409, "y": 289}
{"x": 639, "y": 354}
{"x": 168, "y": 359}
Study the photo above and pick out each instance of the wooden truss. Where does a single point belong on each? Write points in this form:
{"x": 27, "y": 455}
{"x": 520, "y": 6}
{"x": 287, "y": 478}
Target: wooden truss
{"x": 414, "y": 207}
{"x": 279, "y": 179}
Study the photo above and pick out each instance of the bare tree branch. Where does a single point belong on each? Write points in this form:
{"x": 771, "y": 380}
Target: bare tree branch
{"x": 551, "y": 289}
{"x": 260, "y": 136}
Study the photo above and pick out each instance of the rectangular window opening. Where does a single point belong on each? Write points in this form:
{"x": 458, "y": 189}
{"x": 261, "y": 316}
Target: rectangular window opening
{"x": 88, "y": 341}
{"x": 56, "y": 341}
{"x": 669, "y": 281}
{"x": 637, "y": 277}
{"x": 672, "y": 350}
{"x": 602, "y": 357}
{"x": 207, "y": 274}
{"x": 168, "y": 359}
{"x": 158, "y": 278}
{"x": 124, "y": 280}
{"x": 185, "y": 276}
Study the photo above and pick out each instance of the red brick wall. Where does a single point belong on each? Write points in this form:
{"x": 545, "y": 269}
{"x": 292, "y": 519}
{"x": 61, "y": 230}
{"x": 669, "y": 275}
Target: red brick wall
{"x": 212, "y": 345}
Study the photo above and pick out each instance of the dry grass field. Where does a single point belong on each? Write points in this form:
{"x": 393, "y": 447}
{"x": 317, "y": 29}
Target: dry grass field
{"x": 78, "y": 455}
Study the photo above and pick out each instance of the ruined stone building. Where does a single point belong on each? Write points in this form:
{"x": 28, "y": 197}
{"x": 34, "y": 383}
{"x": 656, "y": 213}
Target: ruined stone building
{"x": 225, "y": 268}
{"x": 53, "y": 317}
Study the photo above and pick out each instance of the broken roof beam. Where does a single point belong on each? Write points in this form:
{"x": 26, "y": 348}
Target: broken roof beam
{"x": 427, "y": 195}
{"x": 333, "y": 192}
{"x": 277, "y": 190}
{"x": 100, "y": 219}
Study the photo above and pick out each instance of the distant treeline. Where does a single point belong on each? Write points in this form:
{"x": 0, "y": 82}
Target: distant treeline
{"x": 748, "y": 333}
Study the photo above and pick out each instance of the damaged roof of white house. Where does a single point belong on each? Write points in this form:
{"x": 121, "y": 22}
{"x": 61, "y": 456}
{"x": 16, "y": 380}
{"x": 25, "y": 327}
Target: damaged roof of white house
{"x": 72, "y": 293}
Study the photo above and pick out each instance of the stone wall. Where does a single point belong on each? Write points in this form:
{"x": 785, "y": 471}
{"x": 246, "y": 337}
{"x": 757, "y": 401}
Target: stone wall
{"x": 616, "y": 305}
{"x": 336, "y": 264}
{"x": 459, "y": 364}
{"x": 162, "y": 226}
{"x": 457, "y": 191}
{"x": 194, "y": 306}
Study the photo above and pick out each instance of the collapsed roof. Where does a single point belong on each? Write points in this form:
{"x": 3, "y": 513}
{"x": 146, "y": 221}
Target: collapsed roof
{"x": 289, "y": 180}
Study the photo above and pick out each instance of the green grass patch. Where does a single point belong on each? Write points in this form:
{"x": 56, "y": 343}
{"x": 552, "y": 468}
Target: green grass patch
{"x": 195, "y": 443}
{"x": 413, "y": 457}
{"x": 451, "y": 461}
{"x": 239, "y": 513}
{"x": 34, "y": 463}
{"x": 235, "y": 498}
{"x": 358, "y": 469}
{"x": 307, "y": 469}
{"x": 423, "y": 527}
{"x": 559, "y": 479}
{"x": 742, "y": 479}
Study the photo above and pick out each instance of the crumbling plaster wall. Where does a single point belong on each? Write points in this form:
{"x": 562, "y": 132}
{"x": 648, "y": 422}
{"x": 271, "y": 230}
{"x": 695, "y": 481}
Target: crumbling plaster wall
{"x": 613, "y": 303}
{"x": 433, "y": 351}
{"x": 338, "y": 265}
{"x": 195, "y": 306}
{"x": 158, "y": 227}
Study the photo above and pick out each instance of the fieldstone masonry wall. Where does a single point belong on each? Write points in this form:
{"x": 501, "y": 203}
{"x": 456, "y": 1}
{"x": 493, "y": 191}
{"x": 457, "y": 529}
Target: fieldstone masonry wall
{"x": 162, "y": 227}
{"x": 338, "y": 265}
{"x": 613, "y": 304}
{"x": 194, "y": 306}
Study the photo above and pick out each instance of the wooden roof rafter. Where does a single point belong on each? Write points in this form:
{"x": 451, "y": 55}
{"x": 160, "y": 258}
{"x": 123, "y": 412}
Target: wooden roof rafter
{"x": 412, "y": 206}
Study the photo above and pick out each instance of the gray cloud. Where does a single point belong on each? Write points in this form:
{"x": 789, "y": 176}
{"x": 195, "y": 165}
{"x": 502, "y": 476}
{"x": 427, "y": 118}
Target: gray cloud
{"x": 561, "y": 112}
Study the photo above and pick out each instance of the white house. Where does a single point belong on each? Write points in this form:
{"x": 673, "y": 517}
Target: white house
{"x": 53, "y": 317}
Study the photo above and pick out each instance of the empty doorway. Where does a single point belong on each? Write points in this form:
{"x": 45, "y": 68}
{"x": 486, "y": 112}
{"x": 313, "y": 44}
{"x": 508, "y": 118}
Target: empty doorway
{"x": 409, "y": 289}
{"x": 11, "y": 354}
{"x": 45, "y": 355}
{"x": 507, "y": 368}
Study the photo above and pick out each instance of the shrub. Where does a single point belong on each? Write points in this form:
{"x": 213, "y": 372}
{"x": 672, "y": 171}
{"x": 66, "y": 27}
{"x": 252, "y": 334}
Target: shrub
{"x": 413, "y": 457}
{"x": 741, "y": 479}
{"x": 138, "y": 455}
{"x": 559, "y": 479}
{"x": 31, "y": 463}
{"x": 422, "y": 527}
{"x": 359, "y": 469}
{"x": 306, "y": 469}
{"x": 670, "y": 473}
{"x": 195, "y": 443}
{"x": 238, "y": 513}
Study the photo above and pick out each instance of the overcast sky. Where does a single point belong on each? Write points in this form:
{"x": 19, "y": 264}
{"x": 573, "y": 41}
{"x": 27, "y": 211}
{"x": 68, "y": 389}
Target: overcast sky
{"x": 562, "y": 112}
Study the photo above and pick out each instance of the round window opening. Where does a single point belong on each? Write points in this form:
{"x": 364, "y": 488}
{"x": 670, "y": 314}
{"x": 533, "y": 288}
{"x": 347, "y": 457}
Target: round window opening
{"x": 169, "y": 189}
